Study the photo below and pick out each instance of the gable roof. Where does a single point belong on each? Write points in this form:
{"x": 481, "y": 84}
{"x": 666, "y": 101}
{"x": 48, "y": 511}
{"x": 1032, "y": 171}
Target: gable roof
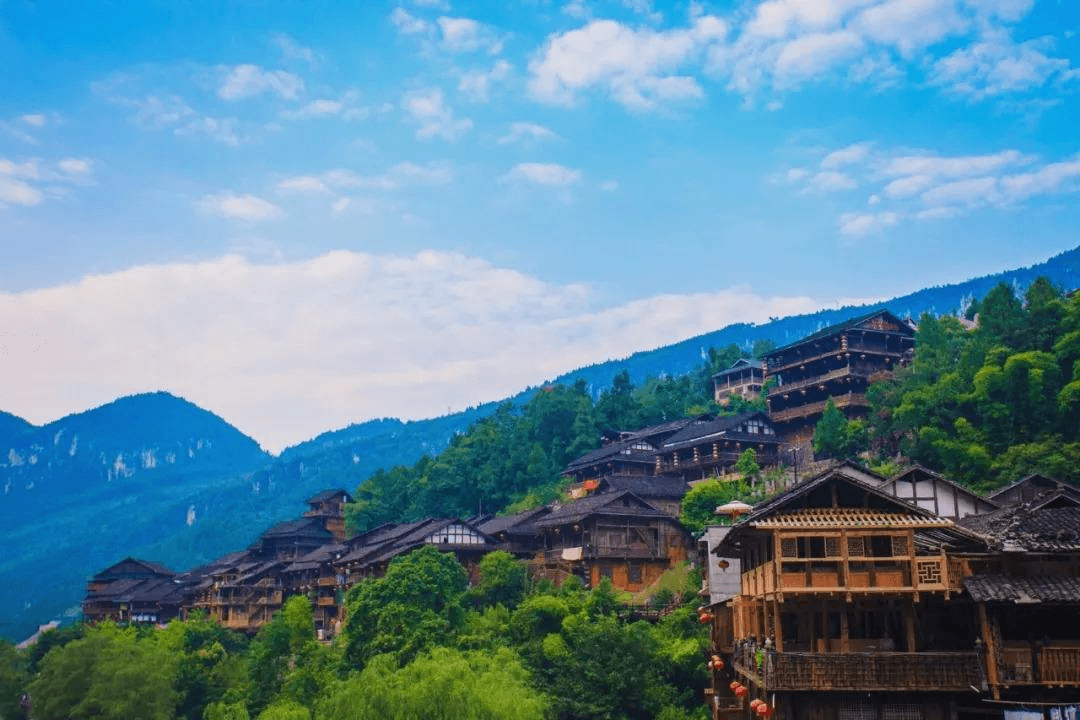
{"x": 856, "y": 502}
{"x": 619, "y": 504}
{"x": 304, "y": 527}
{"x": 1029, "y": 528}
{"x": 1007, "y": 588}
{"x": 740, "y": 365}
{"x": 914, "y": 471}
{"x": 849, "y": 324}
{"x": 143, "y": 568}
{"x": 646, "y": 486}
{"x": 1030, "y": 487}
{"x": 721, "y": 427}
{"x": 522, "y": 523}
{"x": 328, "y": 495}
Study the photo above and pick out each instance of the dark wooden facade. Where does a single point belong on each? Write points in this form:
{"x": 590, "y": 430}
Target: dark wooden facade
{"x": 744, "y": 379}
{"x": 133, "y": 590}
{"x": 615, "y": 535}
{"x": 838, "y": 363}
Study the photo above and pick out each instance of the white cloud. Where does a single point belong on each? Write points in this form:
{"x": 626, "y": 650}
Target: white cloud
{"x": 810, "y": 55}
{"x": 856, "y": 224}
{"x": 609, "y": 186}
{"x": 246, "y": 81}
{"x": 291, "y": 50}
{"x": 972, "y": 191}
{"x": 240, "y": 337}
{"x": 435, "y": 118}
{"x": 477, "y": 85}
{"x": 34, "y": 119}
{"x": 169, "y": 112}
{"x": 460, "y": 34}
{"x": 998, "y": 66}
{"x": 303, "y": 184}
{"x": 850, "y": 155}
{"x": 341, "y": 205}
{"x": 551, "y": 174}
{"x": 936, "y": 166}
{"x": 638, "y": 67}
{"x": 525, "y": 132}
{"x": 240, "y": 207}
{"x": 409, "y": 24}
{"x": 1050, "y": 178}
{"x": 14, "y": 191}
{"x": 576, "y": 9}
{"x": 29, "y": 169}
{"x": 75, "y": 166}
{"x": 344, "y": 106}
{"x": 829, "y": 180}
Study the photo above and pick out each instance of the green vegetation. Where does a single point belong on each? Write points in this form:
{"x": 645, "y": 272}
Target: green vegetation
{"x": 418, "y": 644}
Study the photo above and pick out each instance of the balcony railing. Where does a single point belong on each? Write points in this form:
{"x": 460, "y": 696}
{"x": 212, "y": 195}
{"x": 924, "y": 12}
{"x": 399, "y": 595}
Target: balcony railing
{"x": 868, "y": 575}
{"x": 1046, "y": 665}
{"x": 841, "y": 401}
{"x": 724, "y": 457}
{"x": 818, "y": 380}
{"x": 942, "y": 672}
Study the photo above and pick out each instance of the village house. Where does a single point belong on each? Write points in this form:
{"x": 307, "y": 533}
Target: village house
{"x": 857, "y": 599}
{"x": 744, "y": 379}
{"x": 838, "y": 362}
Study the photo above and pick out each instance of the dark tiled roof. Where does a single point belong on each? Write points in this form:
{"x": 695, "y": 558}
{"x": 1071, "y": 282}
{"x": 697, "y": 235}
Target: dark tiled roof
{"x": 305, "y": 527}
{"x": 523, "y": 523}
{"x": 1023, "y": 528}
{"x": 147, "y": 566}
{"x": 620, "y": 450}
{"x": 1031, "y": 487}
{"x": 328, "y": 495}
{"x": 610, "y": 504}
{"x": 848, "y": 324}
{"x": 647, "y": 486}
{"x": 720, "y": 427}
{"x": 740, "y": 365}
{"x": 1003, "y": 588}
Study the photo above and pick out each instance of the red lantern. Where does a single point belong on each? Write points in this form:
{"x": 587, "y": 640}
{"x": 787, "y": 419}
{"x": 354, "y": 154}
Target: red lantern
{"x": 764, "y": 711}
{"x": 705, "y": 618}
{"x": 755, "y": 704}
{"x": 716, "y": 658}
{"x": 741, "y": 691}
{"x": 733, "y": 685}
{"x": 718, "y": 664}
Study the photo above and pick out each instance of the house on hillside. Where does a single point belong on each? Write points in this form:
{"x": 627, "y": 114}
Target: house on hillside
{"x": 329, "y": 506}
{"x": 835, "y": 363}
{"x": 516, "y": 534}
{"x": 290, "y": 539}
{"x": 627, "y": 452}
{"x": 744, "y": 379}
{"x": 240, "y": 590}
{"x": 712, "y": 447}
{"x": 933, "y": 492}
{"x": 133, "y": 590}
{"x": 1029, "y": 488}
{"x": 614, "y": 535}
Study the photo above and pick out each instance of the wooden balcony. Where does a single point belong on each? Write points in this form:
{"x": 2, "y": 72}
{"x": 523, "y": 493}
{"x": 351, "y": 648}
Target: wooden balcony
{"x": 328, "y": 582}
{"x": 1053, "y": 665}
{"x": 838, "y": 374}
{"x": 325, "y": 601}
{"x": 880, "y": 671}
{"x": 841, "y": 401}
{"x": 722, "y": 458}
{"x": 864, "y": 575}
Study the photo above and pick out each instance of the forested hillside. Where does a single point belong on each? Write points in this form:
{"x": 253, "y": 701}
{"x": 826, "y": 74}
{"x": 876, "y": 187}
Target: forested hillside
{"x": 418, "y": 642}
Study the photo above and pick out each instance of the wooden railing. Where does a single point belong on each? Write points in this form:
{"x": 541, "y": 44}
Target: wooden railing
{"x": 724, "y": 457}
{"x": 1049, "y": 665}
{"x": 841, "y": 401}
{"x": 923, "y": 573}
{"x": 886, "y": 671}
{"x": 818, "y": 380}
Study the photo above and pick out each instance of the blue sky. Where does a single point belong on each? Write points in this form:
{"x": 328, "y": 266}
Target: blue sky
{"x": 303, "y": 214}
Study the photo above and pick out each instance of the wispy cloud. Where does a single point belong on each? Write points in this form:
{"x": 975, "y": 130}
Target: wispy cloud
{"x": 245, "y": 207}
{"x": 428, "y": 109}
{"x": 551, "y": 174}
{"x": 247, "y": 81}
{"x": 526, "y": 132}
{"x": 292, "y": 50}
{"x": 476, "y": 85}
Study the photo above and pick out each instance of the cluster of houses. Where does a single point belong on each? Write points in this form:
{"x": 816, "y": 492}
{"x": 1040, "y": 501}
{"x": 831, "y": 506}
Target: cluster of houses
{"x": 847, "y": 596}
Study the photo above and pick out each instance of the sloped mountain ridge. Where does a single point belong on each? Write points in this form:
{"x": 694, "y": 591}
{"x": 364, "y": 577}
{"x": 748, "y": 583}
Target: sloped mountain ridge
{"x": 140, "y": 483}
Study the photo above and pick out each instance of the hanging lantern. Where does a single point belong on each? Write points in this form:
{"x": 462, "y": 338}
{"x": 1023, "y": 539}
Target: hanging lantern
{"x": 705, "y": 618}
{"x": 734, "y": 684}
{"x": 718, "y": 664}
{"x": 764, "y": 710}
{"x": 755, "y": 704}
{"x": 741, "y": 691}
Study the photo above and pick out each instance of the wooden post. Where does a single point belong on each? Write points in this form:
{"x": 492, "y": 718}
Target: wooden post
{"x": 909, "y": 629}
{"x": 990, "y": 645}
{"x": 845, "y": 644}
{"x": 778, "y": 627}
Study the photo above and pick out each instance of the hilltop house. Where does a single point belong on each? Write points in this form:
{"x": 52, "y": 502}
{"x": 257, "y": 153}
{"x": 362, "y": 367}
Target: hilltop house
{"x": 744, "y": 379}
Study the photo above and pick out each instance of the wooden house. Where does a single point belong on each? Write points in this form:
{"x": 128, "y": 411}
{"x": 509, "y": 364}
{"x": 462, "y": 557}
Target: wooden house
{"x": 293, "y": 538}
{"x": 614, "y": 535}
{"x": 712, "y": 447}
{"x": 516, "y": 534}
{"x": 1027, "y": 596}
{"x": 315, "y": 576}
{"x": 329, "y": 506}
{"x": 744, "y": 379}
{"x": 662, "y": 492}
{"x": 1029, "y": 488}
{"x": 850, "y": 606}
{"x": 931, "y": 491}
{"x": 133, "y": 590}
{"x": 835, "y": 363}
{"x": 241, "y": 591}
{"x": 627, "y": 452}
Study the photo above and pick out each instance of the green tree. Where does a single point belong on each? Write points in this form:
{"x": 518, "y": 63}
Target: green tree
{"x": 699, "y": 504}
{"x": 445, "y": 684}
{"x": 830, "y": 435}
{"x": 416, "y": 605}
{"x": 748, "y": 467}
{"x": 283, "y": 658}
{"x": 503, "y": 581}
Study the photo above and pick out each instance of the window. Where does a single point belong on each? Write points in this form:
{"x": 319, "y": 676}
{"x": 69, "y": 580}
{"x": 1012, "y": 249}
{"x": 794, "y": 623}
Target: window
{"x": 635, "y": 572}
{"x": 605, "y": 570}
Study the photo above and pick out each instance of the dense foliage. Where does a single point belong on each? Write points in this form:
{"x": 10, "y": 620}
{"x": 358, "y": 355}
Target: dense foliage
{"x": 985, "y": 405}
{"x": 418, "y": 644}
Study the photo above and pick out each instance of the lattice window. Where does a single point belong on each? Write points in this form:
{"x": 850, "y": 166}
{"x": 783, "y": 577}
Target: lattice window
{"x": 832, "y": 547}
{"x": 901, "y": 711}
{"x": 856, "y": 547}
{"x": 929, "y": 572}
{"x": 856, "y": 711}
{"x": 789, "y": 547}
{"x": 899, "y": 545}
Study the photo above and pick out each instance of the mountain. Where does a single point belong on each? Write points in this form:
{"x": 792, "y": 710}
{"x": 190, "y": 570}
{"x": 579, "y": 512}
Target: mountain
{"x": 157, "y": 477}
